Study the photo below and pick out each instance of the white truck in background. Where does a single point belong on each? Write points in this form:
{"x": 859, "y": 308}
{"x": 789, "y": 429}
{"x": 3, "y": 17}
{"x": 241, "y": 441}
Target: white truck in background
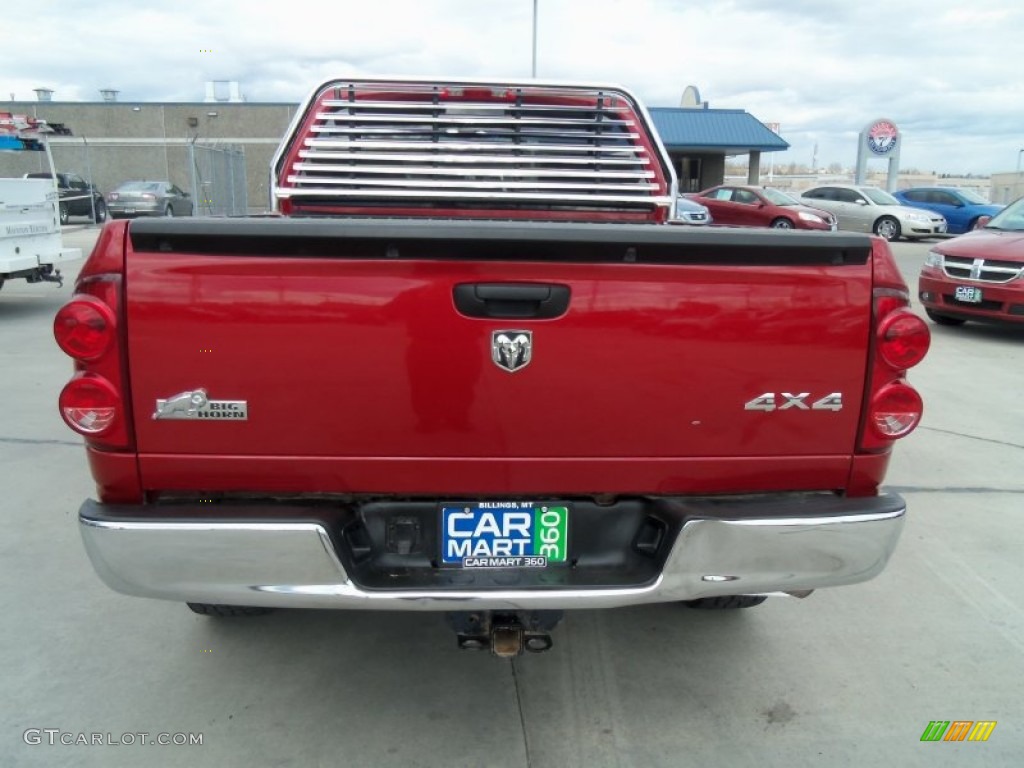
{"x": 30, "y": 238}
{"x": 30, "y": 235}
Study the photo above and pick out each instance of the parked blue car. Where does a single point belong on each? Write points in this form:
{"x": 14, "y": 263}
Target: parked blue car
{"x": 961, "y": 207}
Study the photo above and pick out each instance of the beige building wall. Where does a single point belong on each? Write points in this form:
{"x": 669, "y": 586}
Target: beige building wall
{"x": 1007, "y": 187}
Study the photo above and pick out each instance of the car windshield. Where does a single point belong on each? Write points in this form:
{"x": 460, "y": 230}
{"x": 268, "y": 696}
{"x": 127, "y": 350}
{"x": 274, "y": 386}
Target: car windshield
{"x": 878, "y": 196}
{"x": 778, "y": 197}
{"x": 1010, "y": 218}
{"x": 972, "y": 197}
{"x": 140, "y": 186}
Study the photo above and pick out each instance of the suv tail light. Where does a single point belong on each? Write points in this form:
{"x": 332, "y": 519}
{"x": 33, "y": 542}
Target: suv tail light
{"x": 899, "y": 342}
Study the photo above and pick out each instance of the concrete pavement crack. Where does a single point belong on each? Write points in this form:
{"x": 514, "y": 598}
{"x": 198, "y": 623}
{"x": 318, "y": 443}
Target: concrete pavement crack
{"x": 522, "y": 717}
{"x": 972, "y": 437}
{"x": 33, "y": 441}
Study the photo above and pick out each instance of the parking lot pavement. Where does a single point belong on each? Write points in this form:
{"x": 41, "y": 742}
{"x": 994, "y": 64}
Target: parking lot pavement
{"x": 847, "y": 677}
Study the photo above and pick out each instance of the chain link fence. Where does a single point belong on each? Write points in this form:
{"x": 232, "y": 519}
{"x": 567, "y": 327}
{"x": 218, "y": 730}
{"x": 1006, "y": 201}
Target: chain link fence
{"x": 214, "y": 175}
{"x": 218, "y": 180}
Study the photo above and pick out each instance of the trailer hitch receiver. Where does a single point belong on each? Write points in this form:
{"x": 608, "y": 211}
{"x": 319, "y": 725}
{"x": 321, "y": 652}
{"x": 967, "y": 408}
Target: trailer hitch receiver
{"x": 506, "y": 635}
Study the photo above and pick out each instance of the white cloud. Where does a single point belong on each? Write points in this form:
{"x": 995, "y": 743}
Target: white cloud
{"x": 941, "y": 70}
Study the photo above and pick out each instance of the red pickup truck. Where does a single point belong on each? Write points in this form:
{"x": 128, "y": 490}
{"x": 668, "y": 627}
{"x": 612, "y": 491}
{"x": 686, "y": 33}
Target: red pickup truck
{"x": 467, "y": 367}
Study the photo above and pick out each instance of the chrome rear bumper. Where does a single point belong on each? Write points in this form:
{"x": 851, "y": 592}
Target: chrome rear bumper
{"x": 723, "y": 547}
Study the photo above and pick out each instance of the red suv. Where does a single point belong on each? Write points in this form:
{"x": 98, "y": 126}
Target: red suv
{"x": 746, "y": 206}
{"x": 980, "y": 275}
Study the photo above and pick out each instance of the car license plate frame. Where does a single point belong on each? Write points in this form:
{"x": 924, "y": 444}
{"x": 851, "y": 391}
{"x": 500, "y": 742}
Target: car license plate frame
{"x": 968, "y": 294}
{"x": 503, "y": 534}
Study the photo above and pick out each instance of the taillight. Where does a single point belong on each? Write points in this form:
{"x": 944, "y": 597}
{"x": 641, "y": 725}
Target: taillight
{"x": 90, "y": 404}
{"x": 90, "y": 329}
{"x": 900, "y": 341}
{"x": 903, "y": 339}
{"x": 895, "y": 410}
{"x": 84, "y": 328}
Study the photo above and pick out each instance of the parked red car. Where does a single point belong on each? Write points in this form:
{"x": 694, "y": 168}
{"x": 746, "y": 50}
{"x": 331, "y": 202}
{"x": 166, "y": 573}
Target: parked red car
{"x": 748, "y": 206}
{"x": 979, "y": 275}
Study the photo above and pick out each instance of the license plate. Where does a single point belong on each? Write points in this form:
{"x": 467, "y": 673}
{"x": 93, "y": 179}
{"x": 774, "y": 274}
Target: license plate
{"x": 504, "y": 534}
{"x": 129, "y": 210}
{"x": 968, "y": 294}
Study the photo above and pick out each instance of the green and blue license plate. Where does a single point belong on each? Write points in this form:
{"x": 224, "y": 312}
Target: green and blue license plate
{"x": 504, "y": 534}
{"x": 968, "y": 294}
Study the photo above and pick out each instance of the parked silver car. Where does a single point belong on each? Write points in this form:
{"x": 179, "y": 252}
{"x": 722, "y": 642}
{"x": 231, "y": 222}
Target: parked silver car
{"x": 148, "y": 198}
{"x": 871, "y": 209}
{"x": 690, "y": 212}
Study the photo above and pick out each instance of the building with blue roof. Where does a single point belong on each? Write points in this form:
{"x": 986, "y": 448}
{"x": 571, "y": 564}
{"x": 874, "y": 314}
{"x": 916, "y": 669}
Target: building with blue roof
{"x": 699, "y": 139}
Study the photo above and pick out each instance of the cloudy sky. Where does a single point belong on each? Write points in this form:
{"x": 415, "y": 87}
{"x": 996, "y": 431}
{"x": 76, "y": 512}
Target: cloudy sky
{"x": 942, "y": 70}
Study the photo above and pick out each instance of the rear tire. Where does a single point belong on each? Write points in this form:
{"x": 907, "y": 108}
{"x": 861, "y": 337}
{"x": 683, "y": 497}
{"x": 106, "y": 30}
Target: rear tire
{"x": 101, "y": 211}
{"x": 782, "y": 223}
{"x": 226, "y": 611}
{"x": 727, "y": 603}
{"x": 888, "y": 228}
{"x": 944, "y": 319}
{"x": 64, "y": 215}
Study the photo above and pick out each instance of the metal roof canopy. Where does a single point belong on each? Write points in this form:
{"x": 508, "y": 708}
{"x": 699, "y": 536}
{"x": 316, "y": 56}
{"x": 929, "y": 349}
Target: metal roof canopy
{"x": 718, "y": 131}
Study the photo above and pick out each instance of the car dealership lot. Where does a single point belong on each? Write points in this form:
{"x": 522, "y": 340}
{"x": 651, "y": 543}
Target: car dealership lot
{"x": 850, "y": 676}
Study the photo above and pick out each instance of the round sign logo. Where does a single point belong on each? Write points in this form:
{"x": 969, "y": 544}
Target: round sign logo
{"x": 882, "y": 137}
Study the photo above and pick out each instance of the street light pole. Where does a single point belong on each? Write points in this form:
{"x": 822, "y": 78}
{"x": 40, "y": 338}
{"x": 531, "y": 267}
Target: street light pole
{"x": 1019, "y": 152}
{"x": 534, "y": 69}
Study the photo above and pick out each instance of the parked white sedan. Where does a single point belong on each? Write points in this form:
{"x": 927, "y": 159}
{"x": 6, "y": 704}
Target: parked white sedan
{"x": 690, "y": 212}
{"x": 871, "y": 209}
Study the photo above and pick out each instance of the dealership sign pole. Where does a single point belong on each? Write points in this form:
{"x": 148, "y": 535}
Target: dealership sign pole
{"x": 879, "y": 138}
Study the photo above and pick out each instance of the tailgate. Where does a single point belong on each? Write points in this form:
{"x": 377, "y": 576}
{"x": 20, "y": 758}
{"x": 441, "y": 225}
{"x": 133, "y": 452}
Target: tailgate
{"x": 365, "y": 367}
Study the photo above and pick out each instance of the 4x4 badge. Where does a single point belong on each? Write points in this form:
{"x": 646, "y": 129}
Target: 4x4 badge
{"x": 194, "y": 404}
{"x": 512, "y": 350}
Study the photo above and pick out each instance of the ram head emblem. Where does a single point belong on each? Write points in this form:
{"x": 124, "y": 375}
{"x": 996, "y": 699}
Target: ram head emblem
{"x": 511, "y": 350}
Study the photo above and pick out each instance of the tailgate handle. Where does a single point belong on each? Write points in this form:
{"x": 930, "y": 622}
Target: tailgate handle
{"x": 512, "y": 300}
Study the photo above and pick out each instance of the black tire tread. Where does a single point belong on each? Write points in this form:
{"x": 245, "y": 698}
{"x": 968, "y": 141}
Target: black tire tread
{"x": 726, "y": 603}
{"x": 226, "y": 611}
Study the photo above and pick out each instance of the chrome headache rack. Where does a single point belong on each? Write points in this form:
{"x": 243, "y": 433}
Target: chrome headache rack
{"x": 452, "y": 145}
